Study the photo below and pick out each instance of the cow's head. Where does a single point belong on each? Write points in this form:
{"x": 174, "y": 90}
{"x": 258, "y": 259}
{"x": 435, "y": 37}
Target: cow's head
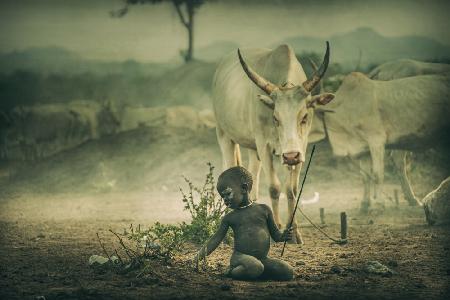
{"x": 293, "y": 109}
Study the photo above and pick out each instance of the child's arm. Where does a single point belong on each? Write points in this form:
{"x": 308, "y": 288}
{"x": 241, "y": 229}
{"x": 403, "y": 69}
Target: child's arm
{"x": 215, "y": 240}
{"x": 275, "y": 233}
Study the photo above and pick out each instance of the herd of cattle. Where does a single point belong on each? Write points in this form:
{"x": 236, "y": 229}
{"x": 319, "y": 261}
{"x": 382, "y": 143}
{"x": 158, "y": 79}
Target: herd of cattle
{"x": 31, "y": 133}
{"x": 401, "y": 105}
{"x": 262, "y": 101}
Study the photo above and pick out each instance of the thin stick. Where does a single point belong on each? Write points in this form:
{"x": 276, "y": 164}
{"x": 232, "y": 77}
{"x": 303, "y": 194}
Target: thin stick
{"x": 103, "y": 247}
{"x": 118, "y": 256}
{"x": 127, "y": 250}
{"x": 299, "y": 194}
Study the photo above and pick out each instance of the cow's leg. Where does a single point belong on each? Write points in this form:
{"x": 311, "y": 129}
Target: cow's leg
{"x": 291, "y": 189}
{"x": 254, "y": 166}
{"x": 377, "y": 154}
{"x": 228, "y": 149}
{"x": 365, "y": 171}
{"x": 274, "y": 183}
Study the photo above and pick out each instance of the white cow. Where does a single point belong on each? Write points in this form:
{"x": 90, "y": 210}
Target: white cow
{"x": 270, "y": 114}
{"x": 407, "y": 68}
{"x": 394, "y": 70}
{"x": 371, "y": 115}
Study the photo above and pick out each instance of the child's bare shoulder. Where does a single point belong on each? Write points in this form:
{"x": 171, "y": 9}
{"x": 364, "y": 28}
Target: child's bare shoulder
{"x": 263, "y": 207}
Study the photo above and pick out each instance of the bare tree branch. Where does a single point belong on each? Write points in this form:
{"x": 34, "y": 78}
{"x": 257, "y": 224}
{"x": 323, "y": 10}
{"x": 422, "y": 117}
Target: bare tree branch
{"x": 180, "y": 14}
{"x": 103, "y": 247}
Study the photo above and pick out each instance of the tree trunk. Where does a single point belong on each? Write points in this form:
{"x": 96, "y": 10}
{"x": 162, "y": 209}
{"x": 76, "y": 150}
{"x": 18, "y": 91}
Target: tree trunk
{"x": 189, "y": 25}
{"x": 190, "y": 28}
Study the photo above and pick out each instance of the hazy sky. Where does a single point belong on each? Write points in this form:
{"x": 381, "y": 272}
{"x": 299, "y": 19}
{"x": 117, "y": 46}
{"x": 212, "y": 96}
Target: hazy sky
{"x": 154, "y": 33}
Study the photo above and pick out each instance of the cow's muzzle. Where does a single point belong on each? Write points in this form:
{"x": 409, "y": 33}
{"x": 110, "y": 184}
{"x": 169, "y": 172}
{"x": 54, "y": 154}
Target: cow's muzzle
{"x": 291, "y": 158}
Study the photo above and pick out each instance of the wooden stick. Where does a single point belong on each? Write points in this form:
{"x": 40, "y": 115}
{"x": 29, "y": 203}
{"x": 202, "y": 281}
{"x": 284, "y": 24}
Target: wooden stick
{"x": 322, "y": 215}
{"x": 299, "y": 194}
{"x": 343, "y": 226}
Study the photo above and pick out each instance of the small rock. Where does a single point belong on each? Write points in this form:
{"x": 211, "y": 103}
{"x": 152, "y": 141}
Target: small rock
{"x": 375, "y": 267}
{"x": 41, "y": 235}
{"x": 300, "y": 263}
{"x": 371, "y": 222}
{"x": 97, "y": 260}
{"x": 420, "y": 285}
{"x": 225, "y": 287}
{"x": 343, "y": 255}
{"x": 115, "y": 260}
{"x": 336, "y": 270}
{"x": 392, "y": 263}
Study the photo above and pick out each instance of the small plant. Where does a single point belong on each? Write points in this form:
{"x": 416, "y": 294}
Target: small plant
{"x": 162, "y": 241}
{"x": 205, "y": 207}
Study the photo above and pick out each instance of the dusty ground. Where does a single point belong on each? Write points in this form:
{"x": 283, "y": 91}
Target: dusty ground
{"x": 46, "y": 242}
{"x": 51, "y": 211}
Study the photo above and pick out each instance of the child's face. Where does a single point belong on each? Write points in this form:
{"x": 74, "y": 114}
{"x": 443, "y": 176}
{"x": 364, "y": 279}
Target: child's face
{"x": 232, "y": 195}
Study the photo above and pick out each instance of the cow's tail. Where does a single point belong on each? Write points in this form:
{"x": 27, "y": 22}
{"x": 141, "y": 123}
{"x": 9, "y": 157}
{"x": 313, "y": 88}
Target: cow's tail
{"x": 237, "y": 155}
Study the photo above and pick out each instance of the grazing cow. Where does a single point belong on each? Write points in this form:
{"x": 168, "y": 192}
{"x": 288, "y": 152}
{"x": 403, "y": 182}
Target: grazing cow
{"x": 5, "y": 125}
{"x": 406, "y": 68}
{"x": 174, "y": 116}
{"x": 275, "y": 122}
{"x": 394, "y": 70}
{"x": 43, "y": 130}
{"x": 437, "y": 204}
{"x": 370, "y": 115}
{"x": 135, "y": 117}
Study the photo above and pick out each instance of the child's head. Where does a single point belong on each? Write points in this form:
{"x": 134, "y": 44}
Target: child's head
{"x": 234, "y": 185}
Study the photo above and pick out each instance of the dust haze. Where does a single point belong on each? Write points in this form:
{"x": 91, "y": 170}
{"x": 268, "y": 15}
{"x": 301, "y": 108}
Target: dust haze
{"x": 102, "y": 119}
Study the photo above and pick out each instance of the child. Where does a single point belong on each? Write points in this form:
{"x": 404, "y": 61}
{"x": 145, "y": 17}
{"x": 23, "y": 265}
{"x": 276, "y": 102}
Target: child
{"x": 252, "y": 225}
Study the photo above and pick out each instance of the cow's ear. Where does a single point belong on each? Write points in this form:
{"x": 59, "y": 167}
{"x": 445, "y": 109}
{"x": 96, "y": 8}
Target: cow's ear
{"x": 267, "y": 101}
{"x": 321, "y": 99}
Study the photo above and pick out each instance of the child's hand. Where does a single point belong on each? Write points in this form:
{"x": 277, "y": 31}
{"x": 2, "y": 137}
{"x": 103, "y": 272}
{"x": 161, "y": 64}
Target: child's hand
{"x": 287, "y": 234}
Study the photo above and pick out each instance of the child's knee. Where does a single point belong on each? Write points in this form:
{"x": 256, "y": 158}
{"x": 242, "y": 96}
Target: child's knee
{"x": 255, "y": 269}
{"x": 278, "y": 270}
{"x": 250, "y": 269}
{"x": 285, "y": 273}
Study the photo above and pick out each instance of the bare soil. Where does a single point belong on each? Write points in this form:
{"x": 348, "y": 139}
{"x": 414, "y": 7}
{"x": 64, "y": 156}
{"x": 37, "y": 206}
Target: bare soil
{"x": 49, "y": 219}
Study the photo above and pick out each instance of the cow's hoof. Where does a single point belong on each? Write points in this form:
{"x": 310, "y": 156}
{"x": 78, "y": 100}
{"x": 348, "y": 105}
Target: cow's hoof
{"x": 296, "y": 238}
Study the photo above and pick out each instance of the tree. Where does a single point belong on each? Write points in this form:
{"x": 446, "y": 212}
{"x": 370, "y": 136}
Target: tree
{"x": 185, "y": 9}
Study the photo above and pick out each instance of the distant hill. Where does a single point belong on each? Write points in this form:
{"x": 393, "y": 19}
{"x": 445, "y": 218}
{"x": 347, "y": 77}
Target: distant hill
{"x": 374, "y": 47}
{"x": 55, "y": 74}
{"x": 51, "y": 60}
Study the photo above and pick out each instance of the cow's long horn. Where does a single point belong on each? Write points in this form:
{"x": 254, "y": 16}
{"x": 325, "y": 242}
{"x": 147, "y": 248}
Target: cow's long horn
{"x": 261, "y": 82}
{"x": 318, "y": 74}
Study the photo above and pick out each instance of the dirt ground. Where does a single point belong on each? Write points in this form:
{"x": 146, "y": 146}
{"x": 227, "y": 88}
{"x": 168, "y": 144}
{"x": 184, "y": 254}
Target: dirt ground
{"x": 46, "y": 241}
{"x": 50, "y": 212}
